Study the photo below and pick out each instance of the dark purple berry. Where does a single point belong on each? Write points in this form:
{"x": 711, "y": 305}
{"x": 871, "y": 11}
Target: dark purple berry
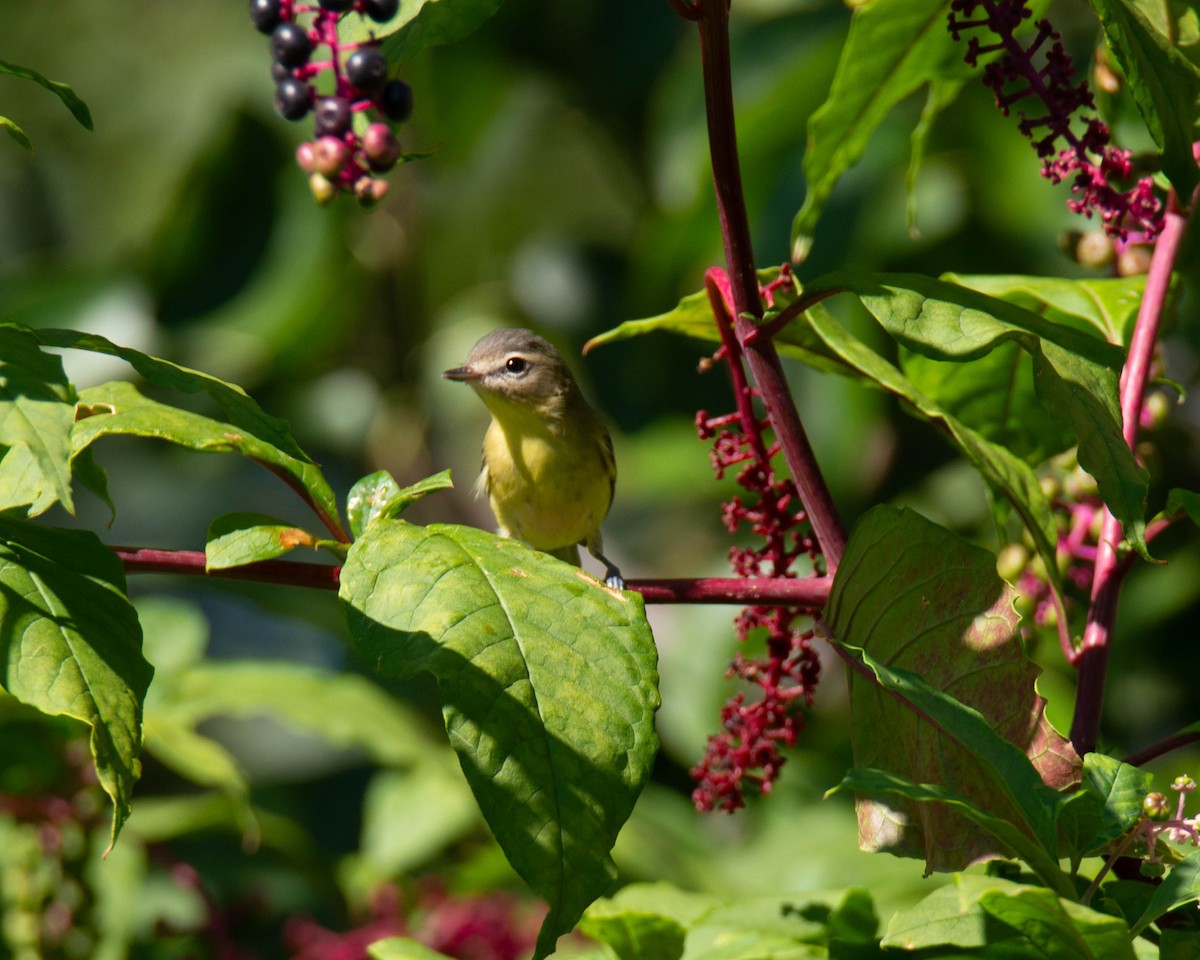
{"x": 279, "y": 72}
{"x": 396, "y": 101}
{"x": 332, "y": 116}
{"x": 367, "y": 69}
{"x": 290, "y": 45}
{"x": 292, "y": 98}
{"x": 381, "y": 10}
{"x": 266, "y": 15}
{"x": 336, "y": 6}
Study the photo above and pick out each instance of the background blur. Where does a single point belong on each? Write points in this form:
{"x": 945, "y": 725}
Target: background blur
{"x": 568, "y": 191}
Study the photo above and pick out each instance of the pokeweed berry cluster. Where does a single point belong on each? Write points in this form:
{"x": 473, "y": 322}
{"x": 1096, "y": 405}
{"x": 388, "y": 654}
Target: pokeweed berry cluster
{"x": 747, "y": 753}
{"x": 1088, "y": 160}
{"x": 344, "y": 154}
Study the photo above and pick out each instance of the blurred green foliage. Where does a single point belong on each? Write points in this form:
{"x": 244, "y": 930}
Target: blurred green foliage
{"x": 568, "y": 191}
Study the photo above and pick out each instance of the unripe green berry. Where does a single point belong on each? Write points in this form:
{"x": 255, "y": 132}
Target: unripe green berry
{"x": 1011, "y": 561}
{"x": 1156, "y": 807}
{"x": 323, "y": 189}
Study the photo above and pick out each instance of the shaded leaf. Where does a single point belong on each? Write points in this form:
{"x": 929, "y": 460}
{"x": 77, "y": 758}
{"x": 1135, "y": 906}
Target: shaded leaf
{"x": 893, "y": 48}
{"x": 70, "y": 99}
{"x": 1107, "y": 805}
{"x": 1012, "y": 477}
{"x": 950, "y": 916}
{"x": 944, "y": 694}
{"x": 36, "y": 412}
{"x": 1058, "y": 929}
{"x": 72, "y": 644}
{"x": 1181, "y": 885}
{"x": 419, "y": 24}
{"x": 1075, "y": 374}
{"x": 1185, "y": 502}
{"x": 235, "y": 539}
{"x": 1007, "y": 838}
{"x": 1164, "y": 84}
{"x": 118, "y": 408}
{"x": 548, "y": 686}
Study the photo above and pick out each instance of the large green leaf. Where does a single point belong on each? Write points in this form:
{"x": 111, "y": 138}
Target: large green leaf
{"x": 1164, "y": 83}
{"x": 118, "y": 408}
{"x": 1009, "y": 475}
{"x": 1105, "y": 306}
{"x": 36, "y": 412}
{"x": 419, "y": 24}
{"x": 1075, "y": 375}
{"x": 70, "y": 644}
{"x": 894, "y": 47}
{"x": 548, "y": 686}
{"x": 944, "y": 694}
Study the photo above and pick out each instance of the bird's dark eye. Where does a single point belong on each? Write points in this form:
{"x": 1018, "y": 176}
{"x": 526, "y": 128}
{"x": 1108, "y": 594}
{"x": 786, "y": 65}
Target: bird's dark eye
{"x": 516, "y": 364}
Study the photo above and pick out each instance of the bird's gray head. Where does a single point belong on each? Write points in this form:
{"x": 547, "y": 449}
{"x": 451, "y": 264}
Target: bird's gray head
{"x": 518, "y": 366}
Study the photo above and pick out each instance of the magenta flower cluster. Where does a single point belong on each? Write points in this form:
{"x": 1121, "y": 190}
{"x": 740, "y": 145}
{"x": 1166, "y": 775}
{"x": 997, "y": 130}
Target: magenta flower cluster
{"x": 748, "y": 751}
{"x": 1086, "y": 159}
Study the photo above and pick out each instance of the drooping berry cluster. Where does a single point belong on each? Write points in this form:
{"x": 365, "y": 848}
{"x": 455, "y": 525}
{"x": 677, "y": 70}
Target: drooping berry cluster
{"x": 748, "y": 751}
{"x": 1089, "y": 160}
{"x": 1162, "y": 820}
{"x": 344, "y": 153}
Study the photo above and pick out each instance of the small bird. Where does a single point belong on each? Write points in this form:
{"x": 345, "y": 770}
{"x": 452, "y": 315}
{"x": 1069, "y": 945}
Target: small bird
{"x": 548, "y": 467}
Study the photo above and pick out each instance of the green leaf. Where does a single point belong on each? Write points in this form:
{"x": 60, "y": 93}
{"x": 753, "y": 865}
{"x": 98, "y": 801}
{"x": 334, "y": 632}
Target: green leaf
{"x": 1183, "y": 501}
{"x": 70, "y": 99}
{"x": 950, "y": 916}
{"x": 692, "y": 317}
{"x": 402, "y": 948}
{"x": 1181, "y": 885}
{"x": 378, "y": 496}
{"x": 1164, "y": 84}
{"x": 236, "y": 539}
{"x": 1014, "y": 842}
{"x": 1075, "y": 374}
{"x": 1107, "y": 805}
{"x": 1106, "y": 306}
{"x": 16, "y": 133}
{"x": 943, "y": 693}
{"x": 248, "y": 429}
{"x": 117, "y": 408}
{"x": 634, "y": 935}
{"x": 1012, "y": 477}
{"x": 1058, "y": 929}
{"x": 420, "y": 24}
{"x": 72, "y": 644}
{"x": 548, "y": 686}
{"x": 36, "y": 412}
{"x": 894, "y": 47}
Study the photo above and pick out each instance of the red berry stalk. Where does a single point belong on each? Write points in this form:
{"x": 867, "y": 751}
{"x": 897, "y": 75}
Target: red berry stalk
{"x": 748, "y": 751}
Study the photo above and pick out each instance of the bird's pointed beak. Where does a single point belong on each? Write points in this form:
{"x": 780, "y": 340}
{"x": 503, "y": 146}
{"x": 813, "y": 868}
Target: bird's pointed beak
{"x": 464, "y": 374}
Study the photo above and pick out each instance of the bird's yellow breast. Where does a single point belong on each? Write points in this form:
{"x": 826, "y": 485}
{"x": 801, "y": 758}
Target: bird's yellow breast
{"x": 548, "y": 485}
